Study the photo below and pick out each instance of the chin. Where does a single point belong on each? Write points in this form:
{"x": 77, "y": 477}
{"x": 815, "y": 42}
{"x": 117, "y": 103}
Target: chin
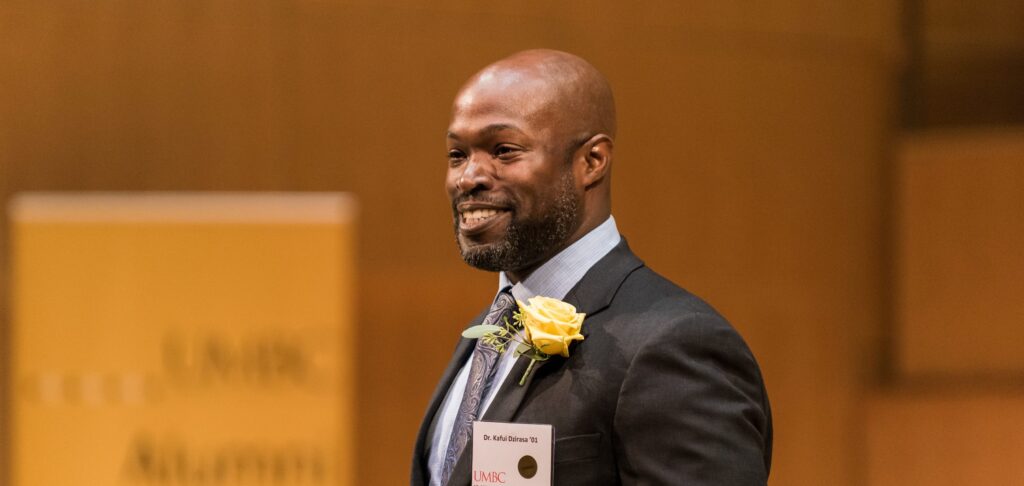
{"x": 492, "y": 257}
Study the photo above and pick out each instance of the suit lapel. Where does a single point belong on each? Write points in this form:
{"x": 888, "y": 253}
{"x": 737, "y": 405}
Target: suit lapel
{"x": 591, "y": 295}
{"x": 594, "y": 292}
{"x": 461, "y": 354}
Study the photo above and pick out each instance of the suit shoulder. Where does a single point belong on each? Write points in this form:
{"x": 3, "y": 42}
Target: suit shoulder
{"x": 646, "y": 290}
{"x": 648, "y": 308}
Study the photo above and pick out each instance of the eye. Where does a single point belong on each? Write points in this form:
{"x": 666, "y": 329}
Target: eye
{"x": 455, "y": 156}
{"x": 506, "y": 152}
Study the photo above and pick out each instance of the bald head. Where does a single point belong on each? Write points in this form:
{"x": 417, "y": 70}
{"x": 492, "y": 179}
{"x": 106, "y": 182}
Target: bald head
{"x": 562, "y": 86}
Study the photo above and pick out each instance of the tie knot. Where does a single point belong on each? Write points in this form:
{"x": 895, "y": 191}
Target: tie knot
{"x": 502, "y": 308}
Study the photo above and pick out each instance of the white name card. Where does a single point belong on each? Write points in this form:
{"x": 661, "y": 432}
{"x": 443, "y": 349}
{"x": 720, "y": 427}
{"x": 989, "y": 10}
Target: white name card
{"x": 508, "y": 454}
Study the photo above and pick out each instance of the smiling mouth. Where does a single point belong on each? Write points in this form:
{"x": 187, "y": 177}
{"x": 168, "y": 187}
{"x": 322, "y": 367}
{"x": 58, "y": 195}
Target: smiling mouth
{"x": 478, "y": 215}
{"x": 477, "y": 220}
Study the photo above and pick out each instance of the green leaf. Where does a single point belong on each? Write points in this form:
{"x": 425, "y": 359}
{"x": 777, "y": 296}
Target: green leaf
{"x": 479, "y": 331}
{"x": 522, "y": 349}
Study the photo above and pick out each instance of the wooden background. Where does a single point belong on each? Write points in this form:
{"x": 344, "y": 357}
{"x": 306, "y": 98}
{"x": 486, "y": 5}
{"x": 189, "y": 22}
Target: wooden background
{"x": 754, "y": 164}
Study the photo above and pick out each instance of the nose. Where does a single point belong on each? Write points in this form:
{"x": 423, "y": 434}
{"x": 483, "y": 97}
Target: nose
{"x": 477, "y": 174}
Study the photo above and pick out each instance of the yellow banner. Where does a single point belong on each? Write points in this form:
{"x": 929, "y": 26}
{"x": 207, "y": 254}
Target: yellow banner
{"x": 182, "y": 339}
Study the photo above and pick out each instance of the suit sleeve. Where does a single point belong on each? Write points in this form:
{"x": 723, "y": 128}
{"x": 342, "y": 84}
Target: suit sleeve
{"x": 692, "y": 409}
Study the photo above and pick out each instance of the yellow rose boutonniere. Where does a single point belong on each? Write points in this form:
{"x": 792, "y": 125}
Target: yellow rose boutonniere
{"x": 550, "y": 326}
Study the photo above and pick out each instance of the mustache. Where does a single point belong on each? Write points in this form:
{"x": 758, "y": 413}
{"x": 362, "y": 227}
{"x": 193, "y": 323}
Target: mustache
{"x": 477, "y": 198}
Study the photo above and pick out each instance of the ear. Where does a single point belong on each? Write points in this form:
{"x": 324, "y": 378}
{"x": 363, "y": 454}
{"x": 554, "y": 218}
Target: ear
{"x": 597, "y": 159}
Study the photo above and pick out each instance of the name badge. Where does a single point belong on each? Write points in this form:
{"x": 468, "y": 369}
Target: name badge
{"x": 512, "y": 454}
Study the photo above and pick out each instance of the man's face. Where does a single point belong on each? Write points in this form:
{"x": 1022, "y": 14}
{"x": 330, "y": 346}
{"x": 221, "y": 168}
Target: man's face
{"x": 515, "y": 201}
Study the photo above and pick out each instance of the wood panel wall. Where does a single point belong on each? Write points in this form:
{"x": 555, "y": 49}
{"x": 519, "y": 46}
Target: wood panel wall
{"x": 967, "y": 63}
{"x": 751, "y": 162}
{"x": 951, "y": 412}
{"x": 961, "y": 255}
{"x": 946, "y": 436}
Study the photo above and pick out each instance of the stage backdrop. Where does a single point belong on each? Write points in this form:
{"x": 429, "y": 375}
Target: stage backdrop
{"x": 182, "y": 339}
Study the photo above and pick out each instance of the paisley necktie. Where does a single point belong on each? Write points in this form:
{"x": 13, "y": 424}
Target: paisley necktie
{"x": 481, "y": 376}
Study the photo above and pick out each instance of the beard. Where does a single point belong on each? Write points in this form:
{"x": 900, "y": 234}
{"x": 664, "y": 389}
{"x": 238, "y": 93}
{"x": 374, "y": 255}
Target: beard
{"x": 527, "y": 241}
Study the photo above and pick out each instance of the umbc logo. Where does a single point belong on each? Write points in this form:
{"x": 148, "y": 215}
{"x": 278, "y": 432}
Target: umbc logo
{"x": 258, "y": 360}
{"x": 488, "y": 477}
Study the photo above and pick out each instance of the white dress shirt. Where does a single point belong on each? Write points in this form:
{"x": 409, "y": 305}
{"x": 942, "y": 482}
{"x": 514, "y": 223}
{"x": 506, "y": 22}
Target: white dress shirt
{"x": 555, "y": 278}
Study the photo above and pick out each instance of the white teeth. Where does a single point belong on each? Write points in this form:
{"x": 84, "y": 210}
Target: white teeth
{"x": 478, "y": 215}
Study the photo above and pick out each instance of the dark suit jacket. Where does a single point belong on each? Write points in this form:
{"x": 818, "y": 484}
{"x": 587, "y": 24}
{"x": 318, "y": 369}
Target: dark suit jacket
{"x": 662, "y": 391}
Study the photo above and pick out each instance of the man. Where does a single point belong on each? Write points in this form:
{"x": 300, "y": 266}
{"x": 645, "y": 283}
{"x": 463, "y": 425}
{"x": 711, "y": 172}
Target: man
{"x": 662, "y": 390}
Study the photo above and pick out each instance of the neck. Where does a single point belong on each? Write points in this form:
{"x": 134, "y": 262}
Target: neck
{"x": 519, "y": 274}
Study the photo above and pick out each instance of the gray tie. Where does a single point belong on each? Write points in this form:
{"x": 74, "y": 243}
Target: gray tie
{"x": 481, "y": 374}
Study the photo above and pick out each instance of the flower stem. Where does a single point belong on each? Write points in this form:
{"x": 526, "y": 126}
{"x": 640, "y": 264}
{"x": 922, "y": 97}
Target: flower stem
{"x": 522, "y": 381}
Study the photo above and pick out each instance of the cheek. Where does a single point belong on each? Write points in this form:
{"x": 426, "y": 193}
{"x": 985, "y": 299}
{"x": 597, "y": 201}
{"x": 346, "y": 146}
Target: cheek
{"x": 535, "y": 186}
{"x": 532, "y": 207}
{"x": 545, "y": 197}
